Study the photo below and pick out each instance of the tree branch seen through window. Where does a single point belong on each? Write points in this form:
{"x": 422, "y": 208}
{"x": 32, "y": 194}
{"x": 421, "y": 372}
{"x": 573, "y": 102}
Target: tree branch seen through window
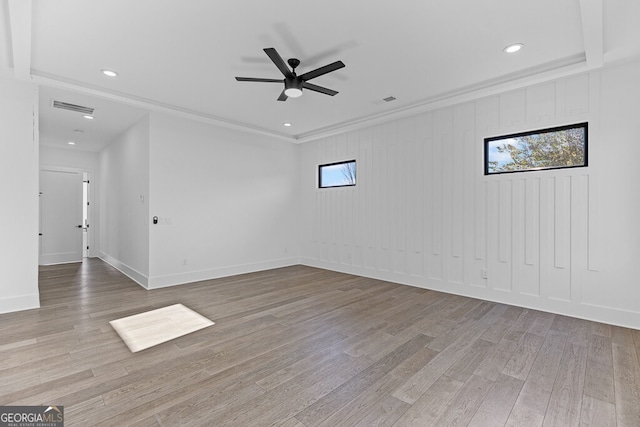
{"x": 554, "y": 148}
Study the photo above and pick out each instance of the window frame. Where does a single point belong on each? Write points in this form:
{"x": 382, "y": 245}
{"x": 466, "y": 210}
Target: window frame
{"x": 320, "y": 186}
{"x": 582, "y": 125}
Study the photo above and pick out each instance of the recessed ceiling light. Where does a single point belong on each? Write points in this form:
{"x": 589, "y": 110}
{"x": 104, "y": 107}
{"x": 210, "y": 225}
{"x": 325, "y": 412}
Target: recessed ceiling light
{"x": 88, "y": 117}
{"x": 513, "y": 48}
{"x": 287, "y": 124}
{"x": 71, "y": 143}
{"x": 109, "y": 73}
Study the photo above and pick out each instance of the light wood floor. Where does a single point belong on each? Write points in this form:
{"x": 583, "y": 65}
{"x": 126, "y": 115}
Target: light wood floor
{"x": 305, "y": 347}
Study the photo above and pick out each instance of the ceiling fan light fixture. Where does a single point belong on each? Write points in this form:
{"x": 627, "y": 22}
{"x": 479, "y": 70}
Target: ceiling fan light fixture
{"x": 293, "y": 92}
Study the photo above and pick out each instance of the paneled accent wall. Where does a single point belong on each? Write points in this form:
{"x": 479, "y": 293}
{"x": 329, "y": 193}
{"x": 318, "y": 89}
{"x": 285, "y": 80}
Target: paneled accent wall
{"x": 423, "y": 213}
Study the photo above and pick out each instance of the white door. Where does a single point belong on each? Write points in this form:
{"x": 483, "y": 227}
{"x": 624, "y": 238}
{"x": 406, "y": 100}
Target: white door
{"x": 60, "y": 216}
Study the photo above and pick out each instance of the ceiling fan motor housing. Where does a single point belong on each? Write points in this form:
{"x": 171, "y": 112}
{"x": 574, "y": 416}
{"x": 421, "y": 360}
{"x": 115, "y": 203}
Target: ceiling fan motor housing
{"x": 293, "y": 86}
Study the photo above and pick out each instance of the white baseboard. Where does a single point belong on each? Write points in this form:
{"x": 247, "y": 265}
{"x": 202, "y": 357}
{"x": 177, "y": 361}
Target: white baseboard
{"x": 59, "y": 258}
{"x": 19, "y": 303}
{"x": 132, "y": 273}
{"x": 215, "y": 273}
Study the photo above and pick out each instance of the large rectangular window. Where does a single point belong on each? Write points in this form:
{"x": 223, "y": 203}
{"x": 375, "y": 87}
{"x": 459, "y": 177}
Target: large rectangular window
{"x": 341, "y": 174}
{"x": 553, "y": 148}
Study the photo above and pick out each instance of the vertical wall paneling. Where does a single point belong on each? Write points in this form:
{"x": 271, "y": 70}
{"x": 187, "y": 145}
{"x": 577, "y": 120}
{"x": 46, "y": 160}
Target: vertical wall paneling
{"x": 471, "y": 173}
{"x": 480, "y": 240}
{"x": 532, "y": 221}
{"x": 594, "y": 242}
{"x": 504, "y": 221}
{"x": 596, "y": 151}
{"x": 518, "y": 236}
{"x": 480, "y": 232}
{"x": 316, "y": 208}
{"x": 424, "y": 213}
{"x": 558, "y": 278}
{"x": 360, "y": 152}
{"x": 461, "y": 133}
{"x": 562, "y": 229}
{"x": 541, "y": 103}
{"x": 576, "y": 95}
{"x": 428, "y": 191}
{"x": 367, "y": 180}
{"x": 512, "y": 109}
{"x": 402, "y": 131}
{"x": 376, "y": 200}
{"x": 547, "y": 217}
{"x": 579, "y": 234}
{"x": 388, "y": 147}
{"x": 420, "y": 202}
{"x": 501, "y": 271}
{"x": 446, "y": 135}
{"x": 488, "y": 117}
{"x": 493, "y": 224}
{"x": 436, "y": 207}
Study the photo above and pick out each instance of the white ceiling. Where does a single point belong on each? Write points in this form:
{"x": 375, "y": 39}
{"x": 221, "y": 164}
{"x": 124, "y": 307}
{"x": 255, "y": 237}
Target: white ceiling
{"x": 183, "y": 56}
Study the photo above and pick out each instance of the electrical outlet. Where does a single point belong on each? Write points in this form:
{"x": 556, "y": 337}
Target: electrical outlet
{"x": 485, "y": 273}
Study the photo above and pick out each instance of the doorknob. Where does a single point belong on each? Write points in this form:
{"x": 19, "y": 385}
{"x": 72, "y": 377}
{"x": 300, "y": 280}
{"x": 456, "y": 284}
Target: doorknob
{"x": 79, "y": 226}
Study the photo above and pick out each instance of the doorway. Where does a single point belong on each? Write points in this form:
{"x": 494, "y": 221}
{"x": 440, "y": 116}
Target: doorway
{"x": 64, "y": 215}
{"x": 85, "y": 215}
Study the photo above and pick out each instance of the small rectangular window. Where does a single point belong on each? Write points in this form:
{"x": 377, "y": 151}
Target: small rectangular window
{"x": 341, "y": 174}
{"x": 553, "y": 148}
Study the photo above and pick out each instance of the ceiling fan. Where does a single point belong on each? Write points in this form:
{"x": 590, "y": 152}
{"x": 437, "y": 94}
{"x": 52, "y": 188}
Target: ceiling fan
{"x": 293, "y": 84}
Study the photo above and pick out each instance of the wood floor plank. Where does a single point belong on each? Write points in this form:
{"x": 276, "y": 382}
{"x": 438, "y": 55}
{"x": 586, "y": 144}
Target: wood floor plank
{"x": 300, "y": 347}
{"x": 385, "y": 414}
{"x": 598, "y": 382}
{"x": 536, "y": 391}
{"x": 596, "y": 413}
{"x": 565, "y": 404}
{"x": 462, "y": 407}
{"x": 626, "y": 375}
{"x": 419, "y": 383}
{"x": 367, "y": 401}
{"x": 431, "y": 404}
{"x": 522, "y": 360}
{"x": 324, "y": 407}
{"x": 492, "y": 366}
{"x": 496, "y": 407}
{"x": 524, "y": 417}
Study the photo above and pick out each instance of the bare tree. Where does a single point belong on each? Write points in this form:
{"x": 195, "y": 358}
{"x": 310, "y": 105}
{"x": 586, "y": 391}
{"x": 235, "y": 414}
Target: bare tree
{"x": 349, "y": 172}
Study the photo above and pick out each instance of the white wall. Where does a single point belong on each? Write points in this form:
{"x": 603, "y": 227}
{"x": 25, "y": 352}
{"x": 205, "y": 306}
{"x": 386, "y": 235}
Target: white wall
{"x": 86, "y": 161}
{"x": 19, "y": 193}
{"x": 77, "y": 159}
{"x": 226, "y": 201}
{"x": 424, "y": 214}
{"x": 124, "y": 196}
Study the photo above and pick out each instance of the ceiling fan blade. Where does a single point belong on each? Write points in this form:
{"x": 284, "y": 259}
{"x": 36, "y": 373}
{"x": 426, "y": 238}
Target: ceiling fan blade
{"x": 257, "y": 79}
{"x": 277, "y": 59}
{"x": 322, "y": 70}
{"x": 320, "y": 89}
{"x": 282, "y": 96}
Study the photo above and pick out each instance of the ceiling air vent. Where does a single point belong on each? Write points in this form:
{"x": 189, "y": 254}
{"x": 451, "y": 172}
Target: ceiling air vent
{"x": 72, "y": 107}
{"x": 389, "y": 99}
